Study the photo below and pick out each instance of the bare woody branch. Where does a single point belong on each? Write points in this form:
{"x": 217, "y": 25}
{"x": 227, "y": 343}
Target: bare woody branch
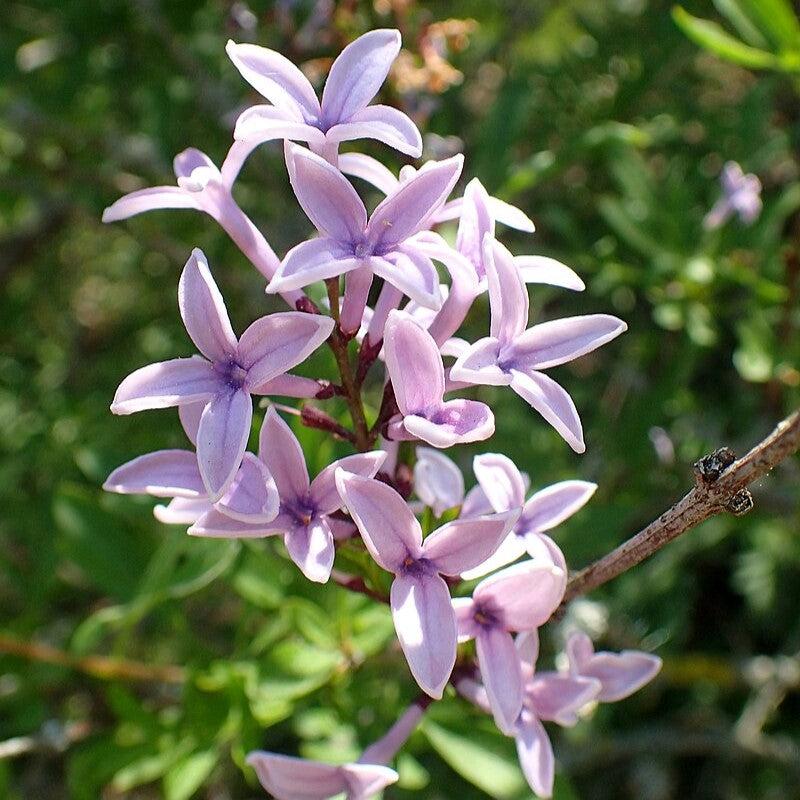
{"x": 721, "y": 484}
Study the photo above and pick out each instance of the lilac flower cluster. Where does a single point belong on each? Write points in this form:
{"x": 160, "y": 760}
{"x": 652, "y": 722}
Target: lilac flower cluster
{"x": 220, "y": 489}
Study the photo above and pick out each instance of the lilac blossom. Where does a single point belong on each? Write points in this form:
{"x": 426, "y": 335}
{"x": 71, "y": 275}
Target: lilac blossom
{"x": 519, "y": 598}
{"x": 438, "y": 482}
{"x": 741, "y": 196}
{"x": 416, "y": 371}
{"x": 344, "y": 113}
{"x": 228, "y": 374}
{"x": 503, "y": 487}
{"x": 305, "y": 506}
{"x": 350, "y": 243}
{"x": 420, "y": 599}
{"x": 513, "y": 356}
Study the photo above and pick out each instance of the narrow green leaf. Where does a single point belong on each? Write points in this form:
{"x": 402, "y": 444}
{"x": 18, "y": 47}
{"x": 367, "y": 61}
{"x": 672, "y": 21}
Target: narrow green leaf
{"x": 188, "y": 775}
{"x": 776, "y": 20}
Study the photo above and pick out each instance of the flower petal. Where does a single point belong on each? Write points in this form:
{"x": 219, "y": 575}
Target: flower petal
{"x": 357, "y": 74}
{"x": 276, "y": 78}
{"x": 366, "y": 780}
{"x": 259, "y": 124}
{"x": 510, "y": 215}
{"x": 438, "y": 482}
{"x": 325, "y": 495}
{"x": 475, "y": 223}
{"x": 288, "y": 778}
{"x": 510, "y": 549}
{"x": 560, "y": 340}
{"x": 152, "y": 199}
{"x": 479, "y": 364}
{"x": 502, "y": 675}
{"x": 476, "y": 504}
{"x": 553, "y": 403}
{"x": 384, "y": 123}
{"x": 464, "y": 544}
{"x": 413, "y": 363}
{"x": 253, "y": 495}
{"x": 280, "y": 450}
{"x": 278, "y": 342}
{"x": 222, "y": 439}
{"x": 559, "y": 697}
{"x": 327, "y": 197}
{"x": 182, "y": 510}
{"x": 501, "y": 480}
{"x": 216, "y": 525}
{"x": 311, "y": 548}
{"x": 426, "y": 627}
{"x": 541, "y": 269}
{"x": 311, "y": 261}
{"x": 165, "y": 473}
{"x": 467, "y": 626}
{"x": 165, "y": 384}
{"x": 621, "y": 674}
{"x": 203, "y": 310}
{"x": 551, "y": 506}
{"x": 524, "y": 595}
{"x": 508, "y": 296}
{"x": 389, "y": 529}
{"x": 535, "y": 755}
{"x": 407, "y": 210}
{"x": 189, "y": 415}
{"x": 412, "y": 272}
{"x": 369, "y": 169}
{"x": 453, "y": 422}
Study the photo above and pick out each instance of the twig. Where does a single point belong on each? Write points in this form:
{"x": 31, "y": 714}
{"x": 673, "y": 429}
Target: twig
{"x": 96, "y": 666}
{"x": 53, "y": 738}
{"x": 721, "y": 485}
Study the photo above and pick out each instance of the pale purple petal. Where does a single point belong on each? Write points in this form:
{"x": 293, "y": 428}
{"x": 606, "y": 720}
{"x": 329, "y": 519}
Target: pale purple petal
{"x": 502, "y": 675}
{"x": 579, "y": 650}
{"x": 508, "y": 296}
{"x": 553, "y": 403}
{"x": 476, "y": 222}
{"x": 203, "y": 310}
{"x": 369, "y": 169}
{"x": 327, "y": 197}
{"x": 464, "y": 544}
{"x": 479, "y": 364}
{"x": 426, "y": 627}
{"x": 165, "y": 473}
{"x": 412, "y": 272}
{"x": 194, "y": 169}
{"x": 453, "y": 422}
{"x": 234, "y": 161}
{"x": 366, "y": 780}
{"x": 222, "y": 439}
{"x": 558, "y": 697}
{"x": 466, "y": 625}
{"x": 510, "y": 549}
{"x": 541, "y": 548}
{"x": 541, "y": 269}
{"x": 527, "y": 644}
{"x": 182, "y": 510}
{"x": 289, "y": 385}
{"x": 288, "y": 778}
{"x": 414, "y": 364}
{"x": 524, "y": 596}
{"x": 438, "y": 482}
{"x": 551, "y": 506}
{"x": 476, "y": 504}
{"x": 311, "y": 548}
{"x": 152, "y": 199}
{"x": 384, "y": 123}
{"x": 214, "y": 524}
{"x": 354, "y": 302}
{"x": 357, "y": 74}
{"x": 621, "y": 674}
{"x": 389, "y": 529}
{"x": 276, "y": 78}
{"x": 407, "y": 210}
{"x": 167, "y": 383}
{"x": 253, "y": 495}
{"x": 510, "y": 215}
{"x": 278, "y": 342}
{"x": 500, "y": 480}
{"x": 535, "y": 755}
{"x": 552, "y": 343}
{"x": 312, "y": 261}
{"x": 279, "y": 449}
{"x": 324, "y": 494}
{"x": 189, "y": 415}
{"x": 260, "y": 124}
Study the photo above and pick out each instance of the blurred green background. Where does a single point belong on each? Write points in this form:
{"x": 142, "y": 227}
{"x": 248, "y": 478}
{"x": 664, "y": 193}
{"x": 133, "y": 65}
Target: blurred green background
{"x": 138, "y": 663}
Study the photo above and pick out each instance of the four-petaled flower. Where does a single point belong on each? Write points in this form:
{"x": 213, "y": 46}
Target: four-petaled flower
{"x": 344, "y": 114}
{"x": 741, "y": 196}
{"x": 230, "y": 372}
{"x": 513, "y": 356}
{"x": 420, "y": 599}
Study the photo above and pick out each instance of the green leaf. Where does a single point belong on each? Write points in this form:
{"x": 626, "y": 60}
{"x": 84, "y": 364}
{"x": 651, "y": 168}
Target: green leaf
{"x": 776, "y": 20}
{"x": 714, "y": 38}
{"x": 188, "y": 775}
{"x": 733, "y": 12}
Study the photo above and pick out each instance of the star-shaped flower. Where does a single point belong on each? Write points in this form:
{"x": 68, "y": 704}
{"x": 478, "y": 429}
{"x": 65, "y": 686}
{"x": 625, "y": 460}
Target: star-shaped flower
{"x": 231, "y": 371}
{"x": 741, "y": 196}
{"x": 513, "y": 356}
{"x": 344, "y": 114}
{"x": 420, "y": 599}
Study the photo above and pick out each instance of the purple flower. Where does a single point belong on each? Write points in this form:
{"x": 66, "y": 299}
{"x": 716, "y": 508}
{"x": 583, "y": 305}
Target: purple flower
{"x": 420, "y": 599}
{"x": 520, "y": 598}
{"x": 230, "y": 372}
{"x": 741, "y": 196}
{"x": 438, "y": 482}
{"x": 382, "y": 246}
{"x": 344, "y": 114}
{"x": 305, "y": 505}
{"x": 513, "y": 356}
{"x": 416, "y": 371}
{"x": 501, "y": 486}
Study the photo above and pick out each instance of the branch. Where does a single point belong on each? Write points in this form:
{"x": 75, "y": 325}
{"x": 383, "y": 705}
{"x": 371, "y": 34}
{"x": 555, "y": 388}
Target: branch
{"x": 721, "y": 485}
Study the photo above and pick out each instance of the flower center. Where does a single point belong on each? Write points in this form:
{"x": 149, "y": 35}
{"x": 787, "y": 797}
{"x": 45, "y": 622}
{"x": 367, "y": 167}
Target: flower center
{"x": 301, "y": 511}
{"x": 485, "y": 617}
{"x": 232, "y": 373}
